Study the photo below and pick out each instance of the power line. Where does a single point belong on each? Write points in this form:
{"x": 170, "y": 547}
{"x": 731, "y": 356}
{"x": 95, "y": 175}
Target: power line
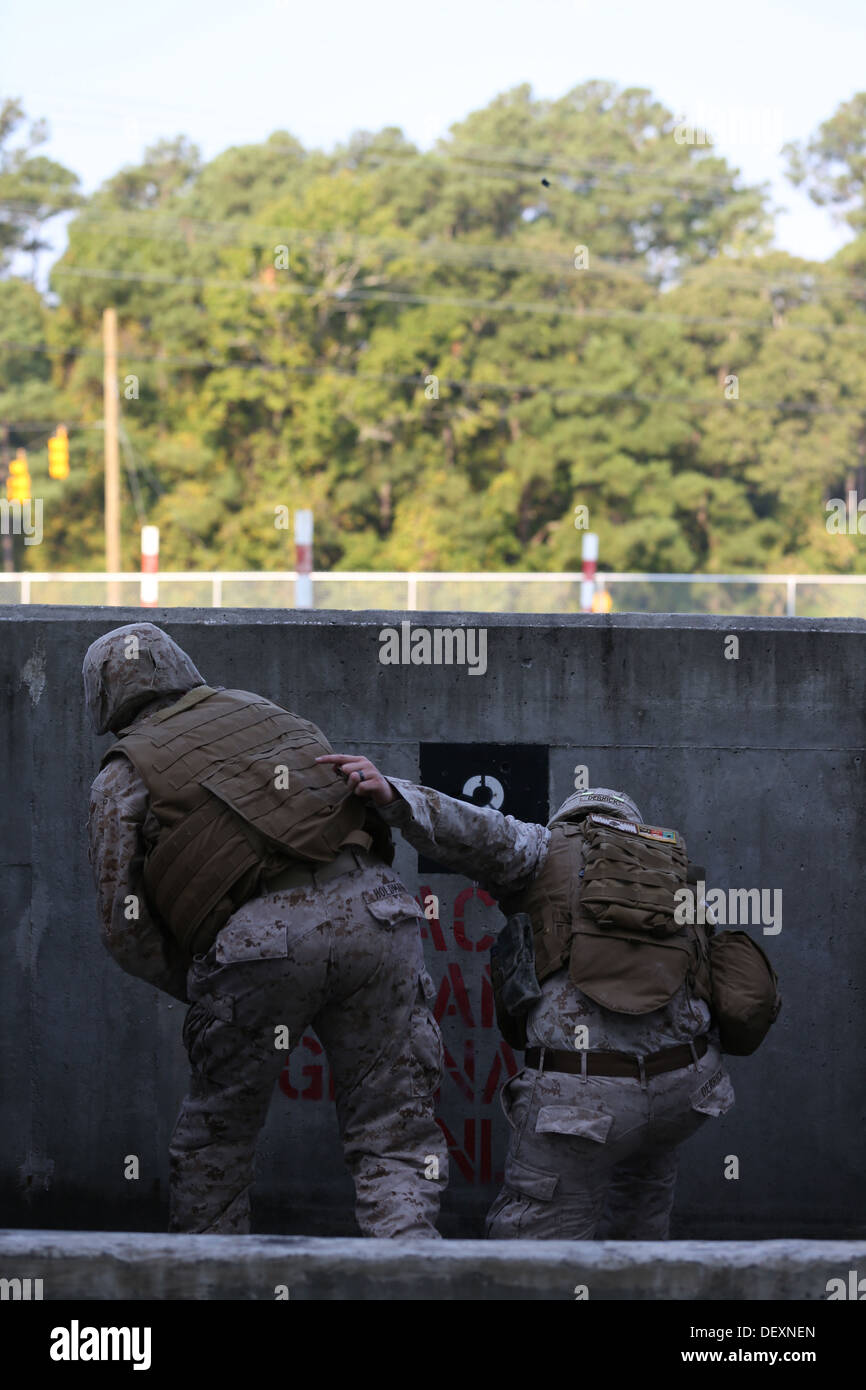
{"x": 131, "y": 471}
{"x": 37, "y": 426}
{"x": 695, "y": 183}
{"x": 245, "y": 232}
{"x": 418, "y": 380}
{"x": 512, "y": 161}
{"x": 360, "y": 296}
{"x": 241, "y": 231}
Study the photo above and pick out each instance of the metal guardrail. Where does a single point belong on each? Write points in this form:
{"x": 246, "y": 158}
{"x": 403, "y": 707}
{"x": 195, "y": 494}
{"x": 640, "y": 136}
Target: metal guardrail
{"x": 818, "y": 595}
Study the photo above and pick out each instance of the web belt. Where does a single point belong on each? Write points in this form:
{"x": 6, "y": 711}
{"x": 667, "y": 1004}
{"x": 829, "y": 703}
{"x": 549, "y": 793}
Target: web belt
{"x": 616, "y": 1063}
{"x": 352, "y": 856}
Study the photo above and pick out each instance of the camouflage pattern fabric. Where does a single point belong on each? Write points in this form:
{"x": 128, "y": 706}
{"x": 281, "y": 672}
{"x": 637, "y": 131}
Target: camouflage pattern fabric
{"x": 139, "y": 943}
{"x": 617, "y": 1139}
{"x": 503, "y": 854}
{"x": 345, "y": 959}
{"x": 604, "y": 1150}
{"x": 565, "y": 1017}
{"x": 130, "y": 667}
{"x": 356, "y": 976}
{"x": 499, "y": 852}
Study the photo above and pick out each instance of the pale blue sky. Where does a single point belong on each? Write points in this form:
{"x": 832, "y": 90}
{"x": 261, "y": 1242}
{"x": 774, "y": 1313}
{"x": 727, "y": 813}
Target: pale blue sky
{"x": 111, "y": 78}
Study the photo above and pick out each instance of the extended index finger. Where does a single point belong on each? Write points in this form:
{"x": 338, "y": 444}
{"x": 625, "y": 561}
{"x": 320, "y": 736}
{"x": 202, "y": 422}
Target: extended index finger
{"x": 338, "y": 757}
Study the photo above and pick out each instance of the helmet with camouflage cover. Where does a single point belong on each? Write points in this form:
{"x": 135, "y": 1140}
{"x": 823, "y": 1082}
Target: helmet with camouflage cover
{"x": 129, "y": 667}
{"x": 596, "y": 799}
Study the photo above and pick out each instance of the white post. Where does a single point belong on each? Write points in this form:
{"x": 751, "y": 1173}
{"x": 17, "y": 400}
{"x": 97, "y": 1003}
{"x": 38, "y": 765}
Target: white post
{"x": 216, "y": 591}
{"x": 25, "y": 588}
{"x": 589, "y": 556}
{"x": 149, "y": 566}
{"x": 412, "y": 594}
{"x": 303, "y": 558}
{"x": 792, "y": 598}
{"x": 111, "y": 413}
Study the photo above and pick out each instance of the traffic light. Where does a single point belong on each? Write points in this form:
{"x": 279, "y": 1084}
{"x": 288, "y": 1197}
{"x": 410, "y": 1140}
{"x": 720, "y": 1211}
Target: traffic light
{"x": 18, "y": 481}
{"x": 58, "y": 454}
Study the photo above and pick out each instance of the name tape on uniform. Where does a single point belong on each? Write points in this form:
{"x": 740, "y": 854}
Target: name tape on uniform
{"x": 647, "y": 832}
{"x": 385, "y": 890}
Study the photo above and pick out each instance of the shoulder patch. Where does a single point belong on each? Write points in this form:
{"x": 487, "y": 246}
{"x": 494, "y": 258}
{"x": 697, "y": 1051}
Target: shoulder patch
{"x": 626, "y": 825}
{"x": 646, "y": 832}
{"x": 658, "y": 832}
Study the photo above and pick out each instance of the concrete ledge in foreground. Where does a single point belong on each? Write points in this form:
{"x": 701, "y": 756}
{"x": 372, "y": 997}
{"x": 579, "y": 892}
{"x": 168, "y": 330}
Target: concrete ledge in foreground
{"x": 109, "y": 1265}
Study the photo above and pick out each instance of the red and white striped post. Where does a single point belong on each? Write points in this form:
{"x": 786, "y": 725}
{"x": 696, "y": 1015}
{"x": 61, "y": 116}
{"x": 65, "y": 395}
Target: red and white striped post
{"x": 589, "y": 556}
{"x": 149, "y": 566}
{"x": 303, "y": 558}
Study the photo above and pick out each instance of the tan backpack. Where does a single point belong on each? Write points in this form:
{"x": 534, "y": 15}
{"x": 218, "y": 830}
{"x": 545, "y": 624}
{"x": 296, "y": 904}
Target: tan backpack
{"x": 631, "y": 875}
{"x": 745, "y": 997}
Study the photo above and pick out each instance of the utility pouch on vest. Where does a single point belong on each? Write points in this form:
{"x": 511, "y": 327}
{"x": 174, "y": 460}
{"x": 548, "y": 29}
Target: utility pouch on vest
{"x": 631, "y": 875}
{"x": 745, "y": 995}
{"x": 515, "y": 986}
{"x": 628, "y": 952}
{"x": 626, "y": 976}
{"x": 699, "y": 973}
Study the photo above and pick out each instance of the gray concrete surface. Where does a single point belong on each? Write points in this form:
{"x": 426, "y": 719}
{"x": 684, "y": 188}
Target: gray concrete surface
{"x": 100, "y": 1265}
{"x": 759, "y": 761}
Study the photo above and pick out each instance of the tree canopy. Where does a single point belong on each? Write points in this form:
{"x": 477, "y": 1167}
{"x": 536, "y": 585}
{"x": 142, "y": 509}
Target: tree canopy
{"x": 444, "y": 353}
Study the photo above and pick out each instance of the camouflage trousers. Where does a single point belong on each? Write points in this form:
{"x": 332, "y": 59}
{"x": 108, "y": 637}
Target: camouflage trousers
{"x": 344, "y": 958}
{"x": 601, "y": 1150}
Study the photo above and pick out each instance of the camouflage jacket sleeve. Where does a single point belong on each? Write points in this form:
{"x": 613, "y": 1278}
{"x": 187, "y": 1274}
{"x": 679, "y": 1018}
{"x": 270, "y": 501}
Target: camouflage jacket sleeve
{"x": 136, "y": 940}
{"x": 499, "y": 852}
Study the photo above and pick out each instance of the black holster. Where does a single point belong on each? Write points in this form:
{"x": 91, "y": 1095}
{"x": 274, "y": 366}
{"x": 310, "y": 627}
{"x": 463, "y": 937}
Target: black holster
{"x": 515, "y": 986}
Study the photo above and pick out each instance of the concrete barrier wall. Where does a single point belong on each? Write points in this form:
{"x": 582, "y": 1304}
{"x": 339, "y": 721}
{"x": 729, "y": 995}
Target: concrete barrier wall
{"x": 757, "y": 758}
{"x": 61, "y": 1266}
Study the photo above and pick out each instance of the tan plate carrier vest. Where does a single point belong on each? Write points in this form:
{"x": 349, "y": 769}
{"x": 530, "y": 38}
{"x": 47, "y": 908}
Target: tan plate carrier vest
{"x": 213, "y": 766}
{"x": 627, "y": 969}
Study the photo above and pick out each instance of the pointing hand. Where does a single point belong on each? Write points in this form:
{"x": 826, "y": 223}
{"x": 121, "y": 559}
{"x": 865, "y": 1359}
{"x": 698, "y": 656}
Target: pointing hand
{"x": 363, "y": 777}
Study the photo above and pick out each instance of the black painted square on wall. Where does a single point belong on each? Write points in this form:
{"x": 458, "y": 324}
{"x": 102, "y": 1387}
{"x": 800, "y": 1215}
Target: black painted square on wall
{"x": 510, "y": 777}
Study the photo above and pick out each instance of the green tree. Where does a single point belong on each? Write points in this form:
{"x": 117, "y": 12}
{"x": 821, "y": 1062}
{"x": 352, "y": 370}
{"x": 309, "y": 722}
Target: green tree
{"x": 33, "y": 189}
{"x": 444, "y": 353}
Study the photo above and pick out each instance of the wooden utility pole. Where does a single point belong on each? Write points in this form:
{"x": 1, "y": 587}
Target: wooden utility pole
{"x": 112, "y": 456}
{"x": 8, "y": 543}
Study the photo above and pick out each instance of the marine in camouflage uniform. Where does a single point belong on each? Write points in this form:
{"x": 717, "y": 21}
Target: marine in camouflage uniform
{"x": 587, "y": 1154}
{"x": 334, "y": 946}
